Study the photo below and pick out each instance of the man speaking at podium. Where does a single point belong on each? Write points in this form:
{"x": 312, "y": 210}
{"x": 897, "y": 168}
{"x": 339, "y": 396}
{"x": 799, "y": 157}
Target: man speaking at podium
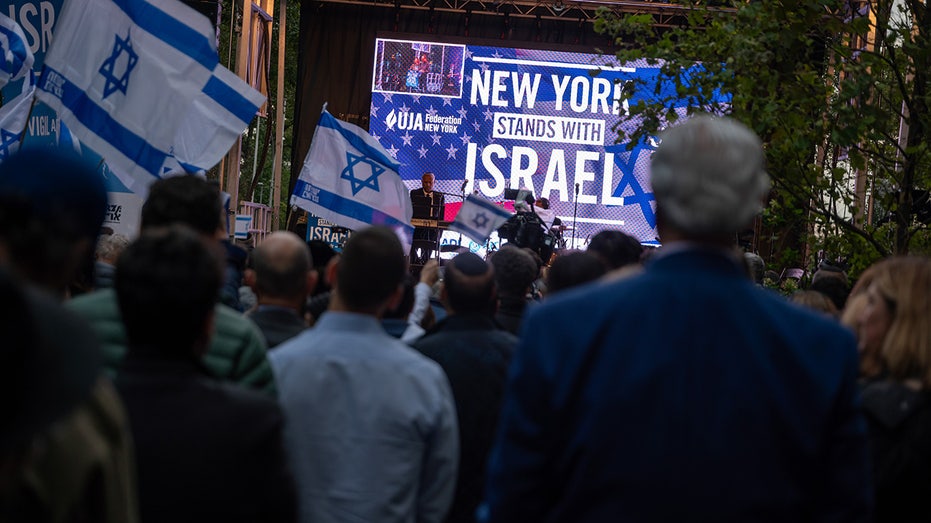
{"x": 427, "y": 205}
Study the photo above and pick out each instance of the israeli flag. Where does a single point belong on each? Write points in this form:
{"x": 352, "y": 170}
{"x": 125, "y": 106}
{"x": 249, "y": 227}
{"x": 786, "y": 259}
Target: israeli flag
{"x": 123, "y": 74}
{"x": 67, "y": 139}
{"x": 16, "y": 56}
{"x": 219, "y": 114}
{"x": 350, "y": 180}
{"x": 478, "y": 218}
{"x": 14, "y": 115}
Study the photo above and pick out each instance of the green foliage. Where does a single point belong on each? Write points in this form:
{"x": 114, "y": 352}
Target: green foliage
{"x": 227, "y": 50}
{"x": 827, "y": 106}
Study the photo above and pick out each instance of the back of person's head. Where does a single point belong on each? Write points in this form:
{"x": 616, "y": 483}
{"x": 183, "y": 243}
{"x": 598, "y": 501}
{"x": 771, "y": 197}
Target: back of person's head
{"x": 187, "y": 200}
{"x": 572, "y": 269}
{"x": 49, "y": 361}
{"x": 904, "y": 284}
{"x": 615, "y": 249}
{"x": 321, "y": 253}
{"x": 52, "y": 205}
{"x": 826, "y": 270}
{"x": 469, "y": 285}
{"x": 109, "y": 247}
{"x": 370, "y": 269}
{"x": 850, "y": 314}
{"x": 816, "y": 301}
{"x": 863, "y": 281}
{"x": 835, "y": 289}
{"x": 537, "y": 260}
{"x": 282, "y": 263}
{"x": 756, "y": 267}
{"x": 515, "y": 271}
{"x": 708, "y": 178}
{"x": 167, "y": 284}
{"x": 404, "y": 307}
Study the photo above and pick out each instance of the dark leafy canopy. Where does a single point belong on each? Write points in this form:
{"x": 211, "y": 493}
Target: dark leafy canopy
{"x": 837, "y": 89}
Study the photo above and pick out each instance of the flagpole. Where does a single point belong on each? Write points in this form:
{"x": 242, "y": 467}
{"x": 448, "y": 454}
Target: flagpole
{"x": 279, "y": 116}
{"x": 575, "y": 214}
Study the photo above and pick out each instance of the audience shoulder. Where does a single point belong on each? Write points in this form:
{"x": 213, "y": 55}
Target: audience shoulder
{"x": 238, "y": 324}
{"x": 94, "y": 305}
{"x": 818, "y": 336}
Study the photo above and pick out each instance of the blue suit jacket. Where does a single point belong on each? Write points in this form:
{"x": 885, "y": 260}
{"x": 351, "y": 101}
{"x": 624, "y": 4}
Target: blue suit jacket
{"x": 685, "y": 393}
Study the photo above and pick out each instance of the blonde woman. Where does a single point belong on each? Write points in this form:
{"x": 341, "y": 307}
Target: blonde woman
{"x": 871, "y": 364}
{"x": 896, "y": 323}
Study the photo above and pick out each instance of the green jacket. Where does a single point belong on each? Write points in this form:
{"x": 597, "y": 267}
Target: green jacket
{"x": 236, "y": 352}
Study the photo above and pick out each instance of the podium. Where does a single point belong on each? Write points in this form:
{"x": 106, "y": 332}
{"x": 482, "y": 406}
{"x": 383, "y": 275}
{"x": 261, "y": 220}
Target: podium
{"x": 428, "y": 227}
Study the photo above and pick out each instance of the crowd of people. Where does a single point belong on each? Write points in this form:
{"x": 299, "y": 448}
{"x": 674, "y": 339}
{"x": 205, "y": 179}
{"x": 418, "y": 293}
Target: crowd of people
{"x": 612, "y": 384}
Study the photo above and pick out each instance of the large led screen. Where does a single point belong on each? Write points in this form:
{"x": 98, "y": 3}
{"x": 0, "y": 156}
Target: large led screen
{"x": 486, "y": 119}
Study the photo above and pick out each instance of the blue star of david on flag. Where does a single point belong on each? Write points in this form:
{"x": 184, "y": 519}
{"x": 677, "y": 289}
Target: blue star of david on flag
{"x": 628, "y": 178}
{"x": 358, "y": 183}
{"x": 480, "y": 220}
{"x": 109, "y": 68}
{"x": 8, "y": 141}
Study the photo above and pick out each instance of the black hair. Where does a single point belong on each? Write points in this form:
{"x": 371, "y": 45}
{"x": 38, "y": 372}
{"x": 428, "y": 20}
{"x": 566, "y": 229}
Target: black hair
{"x": 572, "y": 269}
{"x": 167, "y": 283}
{"x": 50, "y": 202}
{"x": 834, "y": 287}
{"x": 371, "y": 268}
{"x": 515, "y": 271}
{"x": 189, "y": 200}
{"x": 406, "y": 305}
{"x": 615, "y": 249}
{"x": 470, "y": 284}
{"x": 321, "y": 253}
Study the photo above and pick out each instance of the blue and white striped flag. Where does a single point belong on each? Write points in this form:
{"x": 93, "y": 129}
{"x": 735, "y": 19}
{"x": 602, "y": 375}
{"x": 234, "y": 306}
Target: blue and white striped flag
{"x": 478, "y": 218}
{"x": 219, "y": 114}
{"x": 67, "y": 139}
{"x": 14, "y": 115}
{"x": 122, "y": 74}
{"x": 16, "y": 56}
{"x": 350, "y": 180}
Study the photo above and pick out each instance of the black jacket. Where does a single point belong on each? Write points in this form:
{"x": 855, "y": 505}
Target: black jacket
{"x": 277, "y": 324}
{"x": 475, "y": 355}
{"x": 899, "y": 421}
{"x": 205, "y": 450}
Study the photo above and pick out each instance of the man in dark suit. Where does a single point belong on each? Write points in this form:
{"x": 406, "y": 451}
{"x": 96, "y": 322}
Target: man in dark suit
{"x": 282, "y": 275}
{"x": 426, "y": 204}
{"x": 684, "y": 393}
{"x": 205, "y": 450}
